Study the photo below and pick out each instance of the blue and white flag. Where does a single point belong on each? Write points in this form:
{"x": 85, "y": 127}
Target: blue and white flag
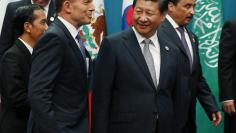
{"x": 127, "y": 13}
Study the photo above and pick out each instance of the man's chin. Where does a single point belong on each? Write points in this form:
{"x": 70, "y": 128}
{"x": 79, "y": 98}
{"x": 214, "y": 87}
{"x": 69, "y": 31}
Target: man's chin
{"x": 143, "y": 33}
{"x": 87, "y": 21}
{"x": 189, "y": 19}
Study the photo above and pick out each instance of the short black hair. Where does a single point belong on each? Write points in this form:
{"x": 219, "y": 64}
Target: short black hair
{"x": 24, "y": 14}
{"x": 175, "y": 2}
{"x": 163, "y": 4}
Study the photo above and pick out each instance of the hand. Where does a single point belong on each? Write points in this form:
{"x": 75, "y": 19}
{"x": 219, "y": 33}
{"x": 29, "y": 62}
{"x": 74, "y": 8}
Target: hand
{"x": 228, "y": 107}
{"x": 216, "y": 118}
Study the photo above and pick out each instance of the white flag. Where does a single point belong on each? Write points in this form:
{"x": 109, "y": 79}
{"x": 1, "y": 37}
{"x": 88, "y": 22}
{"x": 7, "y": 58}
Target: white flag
{"x": 93, "y": 33}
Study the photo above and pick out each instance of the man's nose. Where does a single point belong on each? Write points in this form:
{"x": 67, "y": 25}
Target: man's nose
{"x": 143, "y": 18}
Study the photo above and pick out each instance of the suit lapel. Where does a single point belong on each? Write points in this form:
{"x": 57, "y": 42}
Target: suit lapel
{"x": 170, "y": 31}
{"x": 72, "y": 43}
{"x": 164, "y": 49}
{"x": 133, "y": 47}
{"x": 194, "y": 44}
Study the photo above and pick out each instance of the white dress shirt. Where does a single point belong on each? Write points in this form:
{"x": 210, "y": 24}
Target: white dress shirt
{"x": 154, "y": 49}
{"x": 27, "y": 46}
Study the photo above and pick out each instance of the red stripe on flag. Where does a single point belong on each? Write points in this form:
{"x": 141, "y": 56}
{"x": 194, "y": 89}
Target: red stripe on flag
{"x": 90, "y": 109}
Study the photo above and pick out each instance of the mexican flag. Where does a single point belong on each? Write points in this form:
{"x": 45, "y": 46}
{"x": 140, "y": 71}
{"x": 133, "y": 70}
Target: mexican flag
{"x": 93, "y": 33}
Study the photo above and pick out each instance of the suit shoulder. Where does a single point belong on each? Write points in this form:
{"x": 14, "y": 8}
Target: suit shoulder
{"x": 53, "y": 32}
{"x": 229, "y": 25}
{"x": 116, "y": 35}
{"x": 114, "y": 41}
{"x": 119, "y": 35}
{"x": 51, "y": 38}
{"x": 16, "y": 4}
{"x": 232, "y": 22}
{"x": 12, "y": 49}
{"x": 11, "y": 8}
{"x": 13, "y": 53}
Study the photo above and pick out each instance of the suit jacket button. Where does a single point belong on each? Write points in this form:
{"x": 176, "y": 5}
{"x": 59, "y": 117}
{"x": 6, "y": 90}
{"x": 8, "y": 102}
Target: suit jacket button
{"x": 189, "y": 93}
{"x": 156, "y": 117}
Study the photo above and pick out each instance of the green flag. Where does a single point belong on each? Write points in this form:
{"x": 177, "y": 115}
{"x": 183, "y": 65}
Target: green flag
{"x": 207, "y": 24}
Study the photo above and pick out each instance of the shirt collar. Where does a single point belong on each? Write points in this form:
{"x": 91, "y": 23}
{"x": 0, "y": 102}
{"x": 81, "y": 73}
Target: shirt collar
{"x": 140, "y": 38}
{"x": 27, "y": 46}
{"x": 73, "y": 31}
{"x": 173, "y": 23}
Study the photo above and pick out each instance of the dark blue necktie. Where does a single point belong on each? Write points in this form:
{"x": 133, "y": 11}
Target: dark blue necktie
{"x": 83, "y": 51}
{"x": 81, "y": 45}
{"x": 185, "y": 44}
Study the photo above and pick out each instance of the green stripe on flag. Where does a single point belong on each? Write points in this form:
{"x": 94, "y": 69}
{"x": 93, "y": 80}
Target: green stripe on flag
{"x": 207, "y": 24}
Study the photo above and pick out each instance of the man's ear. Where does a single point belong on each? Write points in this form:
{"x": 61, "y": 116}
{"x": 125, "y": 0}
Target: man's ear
{"x": 67, "y": 6}
{"x": 27, "y": 27}
{"x": 171, "y": 7}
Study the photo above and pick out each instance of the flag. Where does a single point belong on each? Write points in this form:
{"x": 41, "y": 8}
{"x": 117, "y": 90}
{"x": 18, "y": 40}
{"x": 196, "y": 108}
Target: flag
{"x": 3, "y": 5}
{"x": 93, "y": 33}
{"x": 207, "y": 24}
{"x": 229, "y": 10}
{"x": 127, "y": 12}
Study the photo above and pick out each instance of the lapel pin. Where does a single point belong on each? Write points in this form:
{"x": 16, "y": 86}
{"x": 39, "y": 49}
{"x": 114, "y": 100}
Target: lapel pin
{"x": 51, "y": 18}
{"x": 193, "y": 39}
{"x": 167, "y": 48}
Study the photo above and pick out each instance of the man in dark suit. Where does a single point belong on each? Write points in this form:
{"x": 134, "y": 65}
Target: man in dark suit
{"x": 192, "y": 82}
{"x": 135, "y": 77}
{"x": 30, "y": 22}
{"x": 60, "y": 72}
{"x": 227, "y": 75}
{"x": 8, "y": 35}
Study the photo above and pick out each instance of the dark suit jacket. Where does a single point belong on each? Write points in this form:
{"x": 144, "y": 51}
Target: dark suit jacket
{"x": 59, "y": 83}
{"x": 227, "y": 70}
{"x": 8, "y": 35}
{"x": 15, "y": 68}
{"x": 192, "y": 83}
{"x": 125, "y": 99}
{"x": 227, "y": 63}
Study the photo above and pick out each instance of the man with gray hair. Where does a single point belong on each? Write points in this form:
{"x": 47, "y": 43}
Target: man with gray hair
{"x": 61, "y": 72}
